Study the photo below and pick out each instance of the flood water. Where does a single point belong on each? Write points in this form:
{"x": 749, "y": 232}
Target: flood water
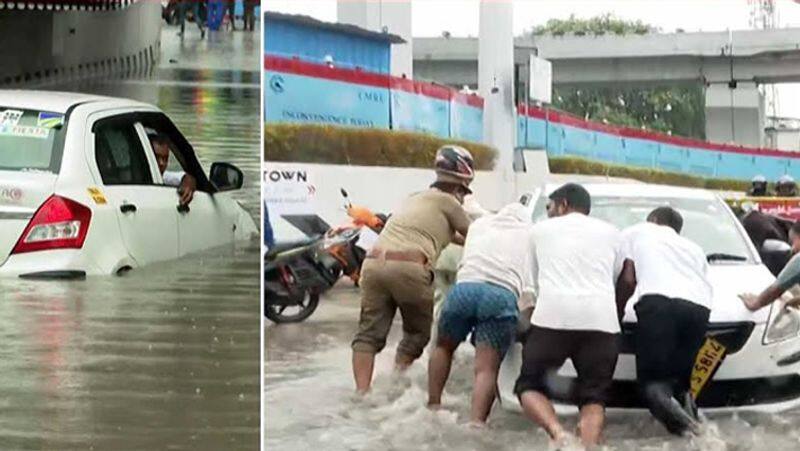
{"x": 309, "y": 402}
{"x": 166, "y": 357}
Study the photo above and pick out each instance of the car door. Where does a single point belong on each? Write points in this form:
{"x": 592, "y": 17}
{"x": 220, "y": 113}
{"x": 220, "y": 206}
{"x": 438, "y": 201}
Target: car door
{"x": 207, "y": 223}
{"x": 146, "y": 211}
{"x": 210, "y": 219}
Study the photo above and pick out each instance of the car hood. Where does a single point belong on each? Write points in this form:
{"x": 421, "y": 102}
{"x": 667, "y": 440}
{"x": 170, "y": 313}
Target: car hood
{"x": 730, "y": 280}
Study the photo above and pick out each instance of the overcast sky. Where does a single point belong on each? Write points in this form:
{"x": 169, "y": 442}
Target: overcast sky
{"x": 460, "y": 18}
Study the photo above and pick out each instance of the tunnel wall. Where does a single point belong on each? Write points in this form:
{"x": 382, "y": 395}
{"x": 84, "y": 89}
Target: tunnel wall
{"x": 42, "y": 46}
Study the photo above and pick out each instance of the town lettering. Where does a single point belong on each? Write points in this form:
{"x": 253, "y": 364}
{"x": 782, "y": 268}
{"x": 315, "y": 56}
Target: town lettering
{"x": 277, "y": 176}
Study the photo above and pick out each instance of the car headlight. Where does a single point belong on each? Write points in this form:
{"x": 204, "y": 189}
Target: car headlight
{"x": 783, "y": 323}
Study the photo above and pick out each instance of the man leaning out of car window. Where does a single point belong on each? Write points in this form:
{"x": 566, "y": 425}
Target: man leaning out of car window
{"x": 185, "y": 183}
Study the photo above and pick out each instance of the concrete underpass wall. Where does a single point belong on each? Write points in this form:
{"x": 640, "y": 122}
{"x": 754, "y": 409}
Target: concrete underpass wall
{"x": 50, "y": 46}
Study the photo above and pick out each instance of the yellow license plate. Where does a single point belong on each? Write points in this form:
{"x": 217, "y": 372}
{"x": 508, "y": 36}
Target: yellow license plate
{"x": 708, "y": 359}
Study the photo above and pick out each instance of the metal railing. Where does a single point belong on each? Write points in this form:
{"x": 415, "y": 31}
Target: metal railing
{"x": 65, "y": 5}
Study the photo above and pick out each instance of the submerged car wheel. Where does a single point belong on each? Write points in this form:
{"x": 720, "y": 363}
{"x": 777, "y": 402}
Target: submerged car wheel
{"x": 293, "y": 313}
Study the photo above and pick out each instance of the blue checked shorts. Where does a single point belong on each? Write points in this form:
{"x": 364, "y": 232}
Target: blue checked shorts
{"x": 488, "y": 311}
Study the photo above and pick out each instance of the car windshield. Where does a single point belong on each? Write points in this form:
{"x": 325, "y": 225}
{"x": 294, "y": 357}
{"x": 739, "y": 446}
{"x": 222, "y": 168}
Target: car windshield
{"x": 705, "y": 221}
{"x": 28, "y": 140}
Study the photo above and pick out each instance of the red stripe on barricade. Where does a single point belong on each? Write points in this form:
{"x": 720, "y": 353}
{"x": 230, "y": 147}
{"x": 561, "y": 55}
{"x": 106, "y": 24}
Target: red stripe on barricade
{"x": 468, "y": 99}
{"x": 418, "y": 87}
{"x": 298, "y": 66}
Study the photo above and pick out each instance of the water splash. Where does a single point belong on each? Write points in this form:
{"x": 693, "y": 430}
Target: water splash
{"x": 310, "y": 402}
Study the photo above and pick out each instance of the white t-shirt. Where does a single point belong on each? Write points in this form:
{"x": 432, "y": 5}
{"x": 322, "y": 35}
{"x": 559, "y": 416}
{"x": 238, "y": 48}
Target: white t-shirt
{"x": 498, "y": 250}
{"x": 578, "y": 263}
{"x": 667, "y": 264}
{"x": 173, "y": 178}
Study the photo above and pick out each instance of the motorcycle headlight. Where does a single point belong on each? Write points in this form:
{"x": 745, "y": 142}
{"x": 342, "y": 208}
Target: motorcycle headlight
{"x": 783, "y": 323}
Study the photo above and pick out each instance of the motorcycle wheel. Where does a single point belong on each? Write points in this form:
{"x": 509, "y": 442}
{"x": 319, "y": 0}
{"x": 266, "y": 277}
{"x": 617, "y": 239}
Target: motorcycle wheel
{"x": 281, "y": 314}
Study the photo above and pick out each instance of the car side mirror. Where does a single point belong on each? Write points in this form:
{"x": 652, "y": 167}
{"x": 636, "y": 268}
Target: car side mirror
{"x": 775, "y": 254}
{"x": 226, "y": 177}
{"x": 772, "y": 245}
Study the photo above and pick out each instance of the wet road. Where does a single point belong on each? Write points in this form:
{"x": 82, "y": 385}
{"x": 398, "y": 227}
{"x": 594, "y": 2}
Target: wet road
{"x": 308, "y": 383}
{"x": 166, "y": 357}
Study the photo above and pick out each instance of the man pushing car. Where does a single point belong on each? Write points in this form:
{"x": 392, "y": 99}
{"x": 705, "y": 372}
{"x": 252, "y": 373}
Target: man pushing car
{"x": 670, "y": 275}
{"x": 398, "y": 271}
{"x": 495, "y": 271}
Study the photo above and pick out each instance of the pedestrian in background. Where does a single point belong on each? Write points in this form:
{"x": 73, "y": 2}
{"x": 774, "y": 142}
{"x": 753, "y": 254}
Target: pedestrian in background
{"x": 758, "y": 187}
{"x": 250, "y": 14}
{"x": 230, "y": 7}
{"x": 444, "y": 272}
{"x": 269, "y": 235}
{"x": 194, "y": 6}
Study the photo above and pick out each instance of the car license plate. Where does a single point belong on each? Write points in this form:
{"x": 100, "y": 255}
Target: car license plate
{"x": 706, "y": 363}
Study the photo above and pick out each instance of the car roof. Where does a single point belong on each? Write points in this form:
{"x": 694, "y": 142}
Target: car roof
{"x": 639, "y": 190}
{"x": 55, "y": 101}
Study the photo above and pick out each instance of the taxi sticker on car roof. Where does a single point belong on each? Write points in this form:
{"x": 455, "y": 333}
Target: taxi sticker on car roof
{"x": 50, "y": 120}
{"x": 24, "y": 131}
{"x": 10, "y": 117}
{"x": 97, "y": 196}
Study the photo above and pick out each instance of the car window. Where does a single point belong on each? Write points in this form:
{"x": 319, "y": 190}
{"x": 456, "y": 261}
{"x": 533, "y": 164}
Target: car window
{"x": 705, "y": 221}
{"x": 29, "y": 140}
{"x": 159, "y": 136}
{"x": 120, "y": 155}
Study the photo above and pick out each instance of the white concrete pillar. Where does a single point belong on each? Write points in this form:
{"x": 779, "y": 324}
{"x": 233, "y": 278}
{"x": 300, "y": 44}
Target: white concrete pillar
{"x": 496, "y": 86}
{"x": 392, "y": 15}
{"x": 735, "y": 115}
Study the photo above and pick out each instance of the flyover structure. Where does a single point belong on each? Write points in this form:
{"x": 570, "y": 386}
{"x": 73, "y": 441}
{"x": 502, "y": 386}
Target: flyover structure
{"x": 732, "y": 64}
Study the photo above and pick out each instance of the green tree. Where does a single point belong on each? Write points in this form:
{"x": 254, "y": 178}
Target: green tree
{"x": 599, "y": 25}
{"x": 678, "y": 110}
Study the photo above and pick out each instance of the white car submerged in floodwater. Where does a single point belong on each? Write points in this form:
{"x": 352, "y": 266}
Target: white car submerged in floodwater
{"x": 761, "y": 370}
{"x": 81, "y": 192}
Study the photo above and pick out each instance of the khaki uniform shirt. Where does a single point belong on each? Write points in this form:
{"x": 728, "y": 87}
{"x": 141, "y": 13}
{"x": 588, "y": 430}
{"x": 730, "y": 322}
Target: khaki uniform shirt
{"x": 425, "y": 222}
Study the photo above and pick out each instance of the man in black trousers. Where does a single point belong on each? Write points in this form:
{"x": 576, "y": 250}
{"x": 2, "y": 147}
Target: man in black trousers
{"x": 669, "y": 273}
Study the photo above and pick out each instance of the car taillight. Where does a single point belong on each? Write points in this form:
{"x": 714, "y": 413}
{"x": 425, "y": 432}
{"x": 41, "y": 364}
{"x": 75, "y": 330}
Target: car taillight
{"x": 60, "y": 223}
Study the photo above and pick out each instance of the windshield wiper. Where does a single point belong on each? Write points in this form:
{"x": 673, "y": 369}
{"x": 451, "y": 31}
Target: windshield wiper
{"x": 725, "y": 257}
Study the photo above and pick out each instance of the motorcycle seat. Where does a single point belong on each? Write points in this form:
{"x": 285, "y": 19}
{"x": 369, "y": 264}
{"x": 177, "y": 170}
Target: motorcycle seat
{"x": 289, "y": 245}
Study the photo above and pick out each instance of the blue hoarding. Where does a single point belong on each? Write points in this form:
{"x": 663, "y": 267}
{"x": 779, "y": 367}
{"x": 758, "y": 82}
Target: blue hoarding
{"x": 466, "y": 122}
{"x": 418, "y": 113}
{"x": 561, "y": 139}
{"x": 298, "y": 98}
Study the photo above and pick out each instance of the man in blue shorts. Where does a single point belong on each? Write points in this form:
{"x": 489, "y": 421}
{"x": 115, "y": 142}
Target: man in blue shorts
{"x": 495, "y": 271}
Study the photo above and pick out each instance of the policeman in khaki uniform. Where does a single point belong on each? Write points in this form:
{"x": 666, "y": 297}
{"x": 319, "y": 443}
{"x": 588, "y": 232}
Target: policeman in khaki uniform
{"x": 398, "y": 271}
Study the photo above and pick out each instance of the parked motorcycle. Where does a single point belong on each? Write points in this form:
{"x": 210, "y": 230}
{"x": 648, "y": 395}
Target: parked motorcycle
{"x": 297, "y": 273}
